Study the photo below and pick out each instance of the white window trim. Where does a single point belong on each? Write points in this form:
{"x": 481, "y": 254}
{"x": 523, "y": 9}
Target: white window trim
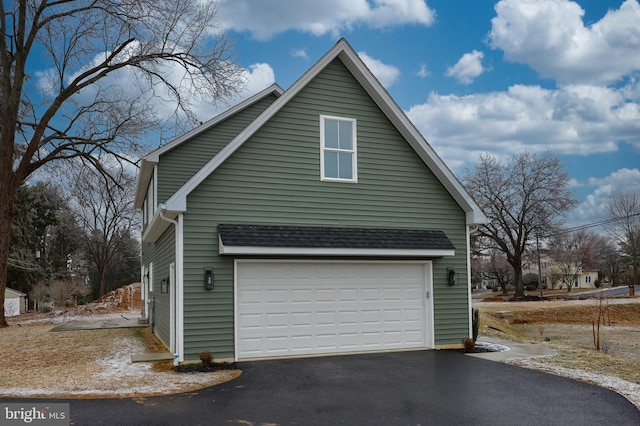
{"x": 354, "y": 151}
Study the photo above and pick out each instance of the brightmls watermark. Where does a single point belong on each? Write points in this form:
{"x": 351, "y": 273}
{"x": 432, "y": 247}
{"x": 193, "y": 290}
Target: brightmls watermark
{"x": 40, "y": 414}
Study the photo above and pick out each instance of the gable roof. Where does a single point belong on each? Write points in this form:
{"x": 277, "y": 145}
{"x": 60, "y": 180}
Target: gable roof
{"x": 177, "y": 203}
{"x": 11, "y": 293}
{"x": 149, "y": 160}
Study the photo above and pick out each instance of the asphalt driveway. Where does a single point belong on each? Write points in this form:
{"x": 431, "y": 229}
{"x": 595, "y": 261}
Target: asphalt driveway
{"x": 402, "y": 388}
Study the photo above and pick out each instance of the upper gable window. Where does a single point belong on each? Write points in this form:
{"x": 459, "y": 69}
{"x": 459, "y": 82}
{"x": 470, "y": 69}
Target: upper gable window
{"x": 338, "y": 157}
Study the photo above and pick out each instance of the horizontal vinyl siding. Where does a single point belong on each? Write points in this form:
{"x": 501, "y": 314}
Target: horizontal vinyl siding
{"x": 178, "y": 165}
{"x": 274, "y": 179}
{"x": 161, "y": 253}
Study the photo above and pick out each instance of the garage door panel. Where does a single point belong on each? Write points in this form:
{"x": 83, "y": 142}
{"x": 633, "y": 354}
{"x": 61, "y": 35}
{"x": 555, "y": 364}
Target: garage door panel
{"x": 317, "y": 308}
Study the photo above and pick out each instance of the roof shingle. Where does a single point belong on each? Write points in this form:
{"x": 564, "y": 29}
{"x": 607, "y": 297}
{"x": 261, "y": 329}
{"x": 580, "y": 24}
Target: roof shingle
{"x": 326, "y": 237}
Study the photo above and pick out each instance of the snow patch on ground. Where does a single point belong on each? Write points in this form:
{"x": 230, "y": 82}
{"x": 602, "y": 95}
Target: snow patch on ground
{"x": 492, "y": 347}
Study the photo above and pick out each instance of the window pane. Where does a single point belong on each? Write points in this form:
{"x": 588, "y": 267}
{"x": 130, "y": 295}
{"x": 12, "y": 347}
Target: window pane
{"x": 331, "y": 165}
{"x": 345, "y": 135}
{"x": 345, "y": 170}
{"x": 331, "y": 133}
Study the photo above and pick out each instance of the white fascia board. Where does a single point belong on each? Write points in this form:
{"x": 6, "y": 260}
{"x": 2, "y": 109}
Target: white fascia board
{"x": 323, "y": 251}
{"x": 144, "y": 177}
{"x": 476, "y": 217}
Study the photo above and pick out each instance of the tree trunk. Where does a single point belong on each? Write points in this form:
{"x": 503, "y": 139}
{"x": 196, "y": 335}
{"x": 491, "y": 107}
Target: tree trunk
{"x": 102, "y": 273}
{"x": 517, "y": 279}
{"x": 6, "y": 216}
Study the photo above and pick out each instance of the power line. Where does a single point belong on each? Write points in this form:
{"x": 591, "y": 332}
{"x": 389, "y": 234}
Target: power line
{"x": 594, "y": 224}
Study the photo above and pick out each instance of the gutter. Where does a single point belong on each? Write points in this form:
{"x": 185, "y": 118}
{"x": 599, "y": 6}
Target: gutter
{"x": 161, "y": 209}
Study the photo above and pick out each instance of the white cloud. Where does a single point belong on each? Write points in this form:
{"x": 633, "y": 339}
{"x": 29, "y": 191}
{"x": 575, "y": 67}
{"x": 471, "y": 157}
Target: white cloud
{"x": 551, "y": 37}
{"x": 594, "y": 207}
{"x": 467, "y": 68}
{"x": 386, "y": 74}
{"x": 570, "y": 120}
{"x": 257, "y": 77}
{"x": 299, "y": 53}
{"x": 423, "y": 72}
{"x": 264, "y": 19}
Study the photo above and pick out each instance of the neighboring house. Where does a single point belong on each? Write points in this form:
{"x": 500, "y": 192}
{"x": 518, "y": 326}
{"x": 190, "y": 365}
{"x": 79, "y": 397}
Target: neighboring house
{"x": 309, "y": 221}
{"x": 15, "y": 302}
{"x": 561, "y": 274}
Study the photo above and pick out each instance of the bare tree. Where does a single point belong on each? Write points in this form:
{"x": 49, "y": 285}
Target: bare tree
{"x": 100, "y": 64}
{"x": 104, "y": 209}
{"x": 499, "y": 270}
{"x": 624, "y": 212}
{"x": 571, "y": 253}
{"x": 65, "y": 292}
{"x": 523, "y": 197}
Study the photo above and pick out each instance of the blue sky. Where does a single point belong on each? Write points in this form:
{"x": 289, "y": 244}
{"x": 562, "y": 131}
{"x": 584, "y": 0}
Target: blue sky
{"x": 478, "y": 76}
{"x": 475, "y": 77}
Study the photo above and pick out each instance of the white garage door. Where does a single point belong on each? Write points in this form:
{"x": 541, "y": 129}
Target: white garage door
{"x": 302, "y": 308}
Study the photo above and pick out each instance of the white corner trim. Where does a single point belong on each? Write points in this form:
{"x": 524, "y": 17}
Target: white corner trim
{"x": 468, "y": 242}
{"x": 180, "y": 288}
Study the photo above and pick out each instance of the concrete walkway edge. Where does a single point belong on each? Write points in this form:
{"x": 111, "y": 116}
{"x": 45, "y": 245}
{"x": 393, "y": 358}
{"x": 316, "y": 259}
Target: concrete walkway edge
{"x": 516, "y": 350}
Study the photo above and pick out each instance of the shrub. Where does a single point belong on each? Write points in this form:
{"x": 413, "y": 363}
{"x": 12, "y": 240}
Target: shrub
{"x": 469, "y": 344}
{"x": 530, "y": 280}
{"x": 206, "y": 358}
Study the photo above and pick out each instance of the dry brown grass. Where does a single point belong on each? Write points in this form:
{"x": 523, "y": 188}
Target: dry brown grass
{"x": 567, "y": 327}
{"x": 89, "y": 363}
{"x": 37, "y": 362}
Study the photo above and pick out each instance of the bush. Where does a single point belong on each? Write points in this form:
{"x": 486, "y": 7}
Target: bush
{"x": 530, "y": 280}
{"x": 469, "y": 344}
{"x": 206, "y": 358}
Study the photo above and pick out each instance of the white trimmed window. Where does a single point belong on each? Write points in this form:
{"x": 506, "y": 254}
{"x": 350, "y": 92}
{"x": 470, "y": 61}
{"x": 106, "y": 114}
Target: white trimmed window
{"x": 338, "y": 146}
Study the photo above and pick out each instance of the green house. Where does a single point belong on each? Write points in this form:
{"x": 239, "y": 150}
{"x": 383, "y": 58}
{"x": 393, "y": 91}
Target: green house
{"x": 315, "y": 220}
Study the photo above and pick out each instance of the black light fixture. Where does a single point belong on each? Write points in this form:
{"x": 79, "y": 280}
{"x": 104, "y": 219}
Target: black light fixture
{"x": 208, "y": 277}
{"x": 164, "y": 286}
{"x": 451, "y": 277}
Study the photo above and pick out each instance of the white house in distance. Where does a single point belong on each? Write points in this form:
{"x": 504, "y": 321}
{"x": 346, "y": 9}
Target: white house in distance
{"x": 559, "y": 274}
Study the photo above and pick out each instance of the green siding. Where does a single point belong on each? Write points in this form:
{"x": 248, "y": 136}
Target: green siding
{"x": 178, "y": 165}
{"x": 274, "y": 178}
{"x": 161, "y": 254}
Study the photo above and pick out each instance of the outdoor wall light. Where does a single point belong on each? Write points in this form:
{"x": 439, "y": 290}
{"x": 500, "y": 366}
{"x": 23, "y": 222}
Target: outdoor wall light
{"x": 452, "y": 277}
{"x": 208, "y": 278}
{"x": 164, "y": 286}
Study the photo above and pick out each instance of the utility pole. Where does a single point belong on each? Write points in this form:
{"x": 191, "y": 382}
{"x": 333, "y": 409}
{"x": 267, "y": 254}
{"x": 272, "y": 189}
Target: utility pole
{"x": 539, "y": 267}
